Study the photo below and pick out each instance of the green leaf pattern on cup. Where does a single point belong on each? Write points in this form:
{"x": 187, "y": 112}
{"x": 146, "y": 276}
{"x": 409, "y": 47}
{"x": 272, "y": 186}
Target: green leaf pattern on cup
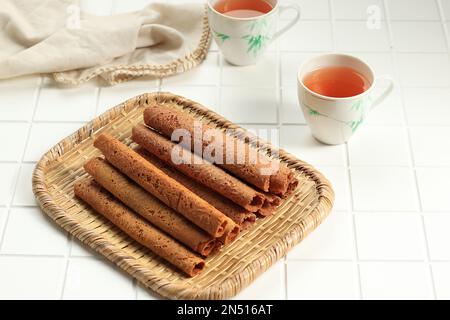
{"x": 257, "y": 37}
{"x": 256, "y": 40}
{"x": 223, "y": 37}
{"x": 313, "y": 112}
{"x": 354, "y": 124}
{"x": 255, "y": 43}
{"x": 357, "y": 105}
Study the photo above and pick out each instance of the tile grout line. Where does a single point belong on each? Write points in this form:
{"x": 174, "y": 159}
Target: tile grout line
{"x": 447, "y": 40}
{"x": 410, "y": 147}
{"x": 68, "y": 254}
{"x": 279, "y": 126}
{"x": 219, "y": 82}
{"x": 446, "y": 30}
{"x": 134, "y": 283}
{"x": 443, "y": 22}
{"x": 69, "y": 236}
{"x": 160, "y": 84}
{"x": 355, "y": 259}
{"x": 97, "y": 101}
{"x": 19, "y": 163}
{"x": 278, "y": 73}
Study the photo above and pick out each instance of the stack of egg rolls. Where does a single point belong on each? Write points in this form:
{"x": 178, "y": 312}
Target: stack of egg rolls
{"x": 137, "y": 228}
{"x": 166, "y": 189}
{"x": 182, "y": 211}
{"x": 149, "y": 207}
{"x": 167, "y": 120}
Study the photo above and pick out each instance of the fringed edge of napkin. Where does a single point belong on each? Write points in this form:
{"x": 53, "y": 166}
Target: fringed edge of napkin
{"x": 122, "y": 73}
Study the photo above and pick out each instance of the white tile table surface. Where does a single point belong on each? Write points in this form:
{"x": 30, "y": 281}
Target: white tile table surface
{"x": 388, "y": 234}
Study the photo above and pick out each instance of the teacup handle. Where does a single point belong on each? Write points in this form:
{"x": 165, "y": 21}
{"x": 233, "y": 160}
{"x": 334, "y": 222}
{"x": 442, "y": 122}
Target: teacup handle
{"x": 289, "y": 6}
{"x": 386, "y": 92}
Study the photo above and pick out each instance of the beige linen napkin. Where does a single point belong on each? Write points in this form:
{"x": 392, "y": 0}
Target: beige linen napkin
{"x": 54, "y": 36}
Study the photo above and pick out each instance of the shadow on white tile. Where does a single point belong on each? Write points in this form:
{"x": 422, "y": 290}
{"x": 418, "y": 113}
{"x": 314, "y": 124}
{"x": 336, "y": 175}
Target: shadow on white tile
{"x": 338, "y": 176}
{"x": 395, "y": 280}
{"x": 66, "y": 104}
{"x": 8, "y": 172}
{"x": 17, "y": 102}
{"x": 383, "y": 189}
{"x": 415, "y": 36}
{"x": 308, "y": 36}
{"x": 262, "y": 74}
{"x": 43, "y": 136}
{"x": 80, "y": 250}
{"x": 207, "y": 96}
{"x": 146, "y": 294}
{"x": 311, "y": 10}
{"x": 290, "y": 111}
{"x": 322, "y": 280}
{"x": 299, "y": 141}
{"x": 413, "y": 10}
{"x": 446, "y": 9}
{"x": 434, "y": 184}
{"x": 25, "y": 196}
{"x": 333, "y": 239}
{"x": 380, "y": 62}
{"x": 358, "y": 9}
{"x": 14, "y": 137}
{"x": 94, "y": 279}
{"x": 31, "y": 278}
{"x": 447, "y": 27}
{"x": 30, "y": 232}
{"x": 390, "y": 237}
{"x": 355, "y": 36}
{"x": 244, "y": 105}
{"x": 375, "y": 145}
{"x": 431, "y": 145}
{"x": 437, "y": 226}
{"x": 424, "y": 69}
{"x": 29, "y": 81}
{"x": 206, "y": 73}
{"x": 427, "y": 106}
{"x": 3, "y": 213}
{"x": 441, "y": 276}
{"x": 111, "y": 97}
{"x": 268, "y": 286}
{"x": 390, "y": 110}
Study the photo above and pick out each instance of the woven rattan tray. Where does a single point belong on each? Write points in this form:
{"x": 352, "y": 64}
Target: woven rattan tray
{"x": 234, "y": 268}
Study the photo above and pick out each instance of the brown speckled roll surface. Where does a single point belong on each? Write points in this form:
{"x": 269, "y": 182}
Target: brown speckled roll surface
{"x": 149, "y": 207}
{"x": 166, "y": 189}
{"x": 282, "y": 182}
{"x": 137, "y": 228}
{"x": 202, "y": 171}
{"x": 239, "y": 215}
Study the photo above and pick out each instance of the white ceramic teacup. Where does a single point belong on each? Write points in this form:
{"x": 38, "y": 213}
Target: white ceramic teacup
{"x": 334, "y": 120}
{"x": 243, "y": 41}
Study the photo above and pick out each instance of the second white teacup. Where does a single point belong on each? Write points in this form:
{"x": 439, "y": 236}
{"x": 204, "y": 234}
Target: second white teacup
{"x": 333, "y": 120}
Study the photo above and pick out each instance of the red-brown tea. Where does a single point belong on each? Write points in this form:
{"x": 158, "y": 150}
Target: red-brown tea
{"x": 243, "y": 8}
{"x": 336, "y": 82}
